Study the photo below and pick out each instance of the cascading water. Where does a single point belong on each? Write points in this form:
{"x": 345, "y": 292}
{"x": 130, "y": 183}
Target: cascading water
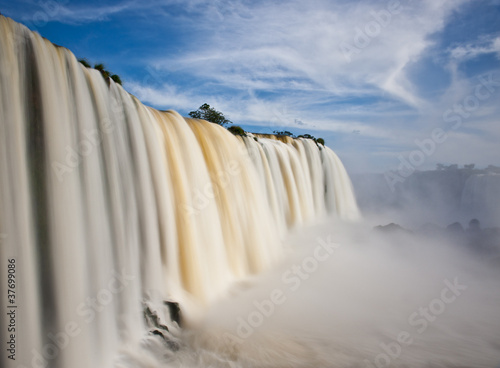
{"x": 105, "y": 203}
{"x": 303, "y": 180}
{"x": 481, "y": 198}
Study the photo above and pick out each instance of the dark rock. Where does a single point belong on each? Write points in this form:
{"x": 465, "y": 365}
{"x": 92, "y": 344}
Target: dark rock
{"x": 175, "y": 311}
{"x": 152, "y": 319}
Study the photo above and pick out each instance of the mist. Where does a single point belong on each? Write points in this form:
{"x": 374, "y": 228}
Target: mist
{"x": 438, "y": 197}
{"x": 347, "y": 295}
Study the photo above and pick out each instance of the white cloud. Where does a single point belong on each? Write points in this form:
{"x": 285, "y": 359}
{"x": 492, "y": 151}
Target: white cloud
{"x": 68, "y": 13}
{"x": 167, "y": 96}
{"x": 472, "y": 50}
{"x": 278, "y": 47}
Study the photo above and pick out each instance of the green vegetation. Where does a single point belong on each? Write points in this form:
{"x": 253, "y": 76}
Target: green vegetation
{"x": 237, "y": 130}
{"x": 284, "y": 132}
{"x": 105, "y": 74}
{"x": 307, "y": 136}
{"x": 208, "y": 113}
{"x": 84, "y": 62}
{"x": 102, "y": 69}
{"x": 316, "y": 140}
{"x": 116, "y": 79}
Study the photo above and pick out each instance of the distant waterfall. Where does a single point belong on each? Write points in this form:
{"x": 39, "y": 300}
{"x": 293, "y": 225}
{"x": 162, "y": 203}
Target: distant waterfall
{"x": 481, "y": 198}
{"x": 105, "y": 202}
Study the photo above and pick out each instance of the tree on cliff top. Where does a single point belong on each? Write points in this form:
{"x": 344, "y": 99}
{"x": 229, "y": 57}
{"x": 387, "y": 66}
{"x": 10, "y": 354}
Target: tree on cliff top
{"x": 208, "y": 113}
{"x": 102, "y": 69}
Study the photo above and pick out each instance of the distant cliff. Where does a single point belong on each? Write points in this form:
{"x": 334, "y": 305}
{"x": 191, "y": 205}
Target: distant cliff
{"x": 441, "y": 196}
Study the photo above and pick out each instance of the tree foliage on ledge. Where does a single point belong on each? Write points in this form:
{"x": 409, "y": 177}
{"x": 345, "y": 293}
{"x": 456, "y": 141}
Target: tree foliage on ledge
{"x": 102, "y": 69}
{"x": 85, "y": 63}
{"x": 284, "y": 132}
{"x": 237, "y": 130}
{"x": 307, "y": 136}
{"x": 116, "y": 79}
{"x": 317, "y": 140}
{"x": 208, "y": 113}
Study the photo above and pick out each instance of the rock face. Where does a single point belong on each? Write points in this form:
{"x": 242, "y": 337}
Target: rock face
{"x": 440, "y": 196}
{"x": 157, "y": 326}
{"x": 175, "y": 312}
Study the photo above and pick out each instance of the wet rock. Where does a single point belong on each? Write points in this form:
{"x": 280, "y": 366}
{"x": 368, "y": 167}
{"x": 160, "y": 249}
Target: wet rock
{"x": 175, "y": 311}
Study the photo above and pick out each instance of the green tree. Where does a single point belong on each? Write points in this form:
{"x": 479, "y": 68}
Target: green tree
{"x": 102, "y": 69}
{"x": 116, "y": 79}
{"x": 208, "y": 113}
{"x": 284, "y": 132}
{"x": 309, "y": 136}
{"x": 84, "y": 62}
{"x": 105, "y": 74}
{"x": 237, "y": 130}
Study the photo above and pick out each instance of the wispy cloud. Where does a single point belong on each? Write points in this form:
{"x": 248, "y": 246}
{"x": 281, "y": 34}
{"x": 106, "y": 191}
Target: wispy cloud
{"x": 66, "y": 12}
{"x": 165, "y": 96}
{"x": 277, "y": 48}
{"x": 472, "y": 50}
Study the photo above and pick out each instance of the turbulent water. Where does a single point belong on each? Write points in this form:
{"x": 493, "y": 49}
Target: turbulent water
{"x": 107, "y": 204}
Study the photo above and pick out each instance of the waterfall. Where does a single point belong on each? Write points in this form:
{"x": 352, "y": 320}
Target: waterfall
{"x": 106, "y": 202}
{"x": 480, "y": 198}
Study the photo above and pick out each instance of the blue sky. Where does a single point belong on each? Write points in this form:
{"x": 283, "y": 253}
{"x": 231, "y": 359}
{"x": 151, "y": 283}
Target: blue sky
{"x": 375, "y": 79}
